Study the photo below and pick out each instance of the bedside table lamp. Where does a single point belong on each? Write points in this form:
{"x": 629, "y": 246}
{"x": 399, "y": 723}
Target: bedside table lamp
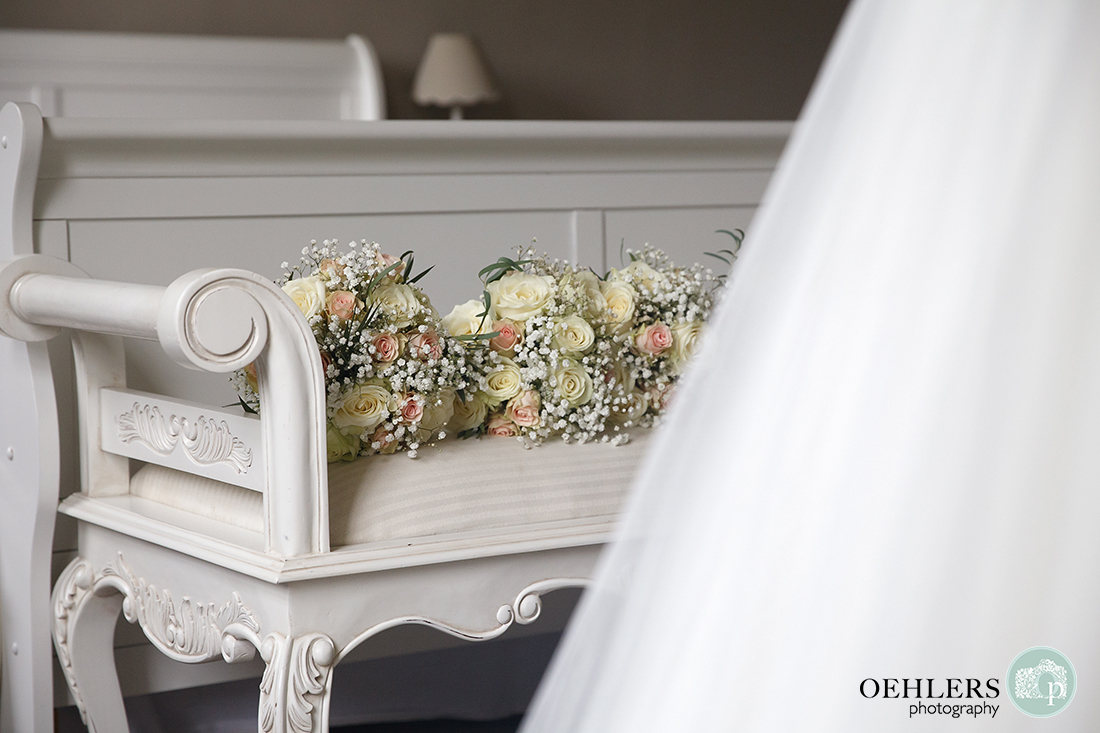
{"x": 453, "y": 74}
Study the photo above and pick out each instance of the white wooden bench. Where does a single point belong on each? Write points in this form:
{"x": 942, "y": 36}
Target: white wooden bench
{"x": 114, "y": 211}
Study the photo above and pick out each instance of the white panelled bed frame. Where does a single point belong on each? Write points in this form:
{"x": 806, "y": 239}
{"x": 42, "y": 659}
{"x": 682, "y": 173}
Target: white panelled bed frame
{"x": 100, "y": 218}
{"x": 83, "y": 74}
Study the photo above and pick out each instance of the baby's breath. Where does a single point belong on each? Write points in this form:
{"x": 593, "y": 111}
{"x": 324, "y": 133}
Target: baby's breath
{"x": 392, "y": 372}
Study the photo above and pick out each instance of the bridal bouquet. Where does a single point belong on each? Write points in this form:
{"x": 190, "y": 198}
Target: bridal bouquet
{"x": 568, "y": 353}
{"x": 392, "y": 373}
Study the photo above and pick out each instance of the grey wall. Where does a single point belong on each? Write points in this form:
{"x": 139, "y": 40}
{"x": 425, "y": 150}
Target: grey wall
{"x": 567, "y": 59}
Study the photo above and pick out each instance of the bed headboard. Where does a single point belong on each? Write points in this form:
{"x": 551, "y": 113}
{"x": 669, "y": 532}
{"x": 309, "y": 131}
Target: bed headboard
{"x": 83, "y": 74}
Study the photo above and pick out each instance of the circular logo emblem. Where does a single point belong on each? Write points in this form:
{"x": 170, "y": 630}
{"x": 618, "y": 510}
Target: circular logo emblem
{"x": 1041, "y": 682}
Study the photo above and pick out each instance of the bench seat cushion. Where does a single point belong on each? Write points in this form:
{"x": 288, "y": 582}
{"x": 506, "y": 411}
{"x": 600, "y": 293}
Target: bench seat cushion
{"x": 456, "y": 486}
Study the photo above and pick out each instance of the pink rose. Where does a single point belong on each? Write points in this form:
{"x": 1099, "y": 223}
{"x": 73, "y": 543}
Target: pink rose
{"x": 250, "y": 375}
{"x": 387, "y": 347}
{"x": 329, "y": 268}
{"x": 426, "y": 345}
{"x": 341, "y": 304}
{"x": 386, "y": 260}
{"x": 385, "y": 440}
{"x": 507, "y": 338}
{"x": 523, "y": 409}
{"x": 501, "y": 427}
{"x": 326, "y": 360}
{"x": 654, "y": 339}
{"x": 659, "y": 395}
{"x": 411, "y": 408}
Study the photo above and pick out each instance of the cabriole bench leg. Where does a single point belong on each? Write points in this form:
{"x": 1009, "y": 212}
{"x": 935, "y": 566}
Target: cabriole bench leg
{"x": 83, "y": 634}
{"x": 294, "y": 691}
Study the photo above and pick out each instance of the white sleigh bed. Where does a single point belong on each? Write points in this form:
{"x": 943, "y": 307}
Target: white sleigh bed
{"x": 245, "y": 545}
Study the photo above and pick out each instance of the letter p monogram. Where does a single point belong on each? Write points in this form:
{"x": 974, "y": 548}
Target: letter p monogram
{"x": 1051, "y": 694}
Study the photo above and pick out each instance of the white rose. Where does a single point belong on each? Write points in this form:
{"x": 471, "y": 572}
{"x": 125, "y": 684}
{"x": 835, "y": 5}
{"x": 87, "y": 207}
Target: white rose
{"x": 586, "y": 282}
{"x": 308, "y": 293}
{"x": 622, "y": 376}
{"x": 438, "y": 411}
{"x": 468, "y": 414}
{"x": 620, "y": 301}
{"x": 503, "y": 382}
{"x": 574, "y": 384}
{"x": 639, "y": 273}
{"x": 520, "y": 296}
{"x": 341, "y": 447}
{"x": 573, "y": 335}
{"x": 631, "y": 408}
{"x": 397, "y": 301}
{"x": 686, "y": 336}
{"x": 465, "y": 319}
{"x": 364, "y": 408}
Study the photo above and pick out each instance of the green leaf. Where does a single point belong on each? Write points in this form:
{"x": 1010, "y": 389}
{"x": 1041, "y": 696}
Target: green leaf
{"x": 244, "y": 406}
{"x": 497, "y": 270}
{"x": 378, "y": 278}
{"x": 478, "y": 336}
{"x": 409, "y": 262}
{"x": 738, "y": 237}
{"x": 416, "y": 279}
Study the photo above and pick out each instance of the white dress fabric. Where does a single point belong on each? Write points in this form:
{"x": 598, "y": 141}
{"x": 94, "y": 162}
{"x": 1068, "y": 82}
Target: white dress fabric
{"x": 886, "y": 463}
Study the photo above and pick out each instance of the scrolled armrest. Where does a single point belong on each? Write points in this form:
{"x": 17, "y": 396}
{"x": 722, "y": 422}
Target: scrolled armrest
{"x": 216, "y": 320}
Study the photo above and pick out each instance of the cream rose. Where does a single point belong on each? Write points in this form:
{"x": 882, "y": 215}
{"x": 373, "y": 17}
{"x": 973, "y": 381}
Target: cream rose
{"x": 438, "y": 411}
{"x": 686, "y": 336}
{"x": 620, "y": 375}
{"x": 519, "y": 296}
{"x": 654, "y": 339}
{"x": 639, "y": 273}
{"x": 523, "y": 409}
{"x": 574, "y": 384}
{"x": 503, "y": 382}
{"x": 631, "y": 408}
{"x": 573, "y": 335}
{"x": 308, "y": 293}
{"x": 341, "y": 447}
{"x": 597, "y": 303}
{"x": 620, "y": 298}
{"x": 466, "y": 319}
{"x": 364, "y": 407}
{"x": 397, "y": 301}
{"x": 469, "y": 414}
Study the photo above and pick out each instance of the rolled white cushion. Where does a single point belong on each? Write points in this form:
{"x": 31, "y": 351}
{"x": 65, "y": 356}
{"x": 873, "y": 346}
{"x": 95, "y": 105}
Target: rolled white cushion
{"x": 456, "y": 486}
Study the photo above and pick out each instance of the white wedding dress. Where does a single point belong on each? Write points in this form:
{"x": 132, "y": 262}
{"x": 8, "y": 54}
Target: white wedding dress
{"x": 886, "y": 463}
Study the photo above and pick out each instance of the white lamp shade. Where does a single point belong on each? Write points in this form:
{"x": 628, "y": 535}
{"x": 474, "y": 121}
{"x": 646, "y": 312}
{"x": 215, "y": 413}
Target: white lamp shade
{"x": 453, "y": 73}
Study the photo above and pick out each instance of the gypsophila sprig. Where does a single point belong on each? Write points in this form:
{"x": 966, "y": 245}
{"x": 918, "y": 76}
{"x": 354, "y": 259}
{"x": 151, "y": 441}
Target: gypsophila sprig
{"x": 573, "y": 355}
{"x": 393, "y": 375}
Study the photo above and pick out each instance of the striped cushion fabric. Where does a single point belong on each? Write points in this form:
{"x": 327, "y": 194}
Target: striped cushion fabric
{"x": 489, "y": 483}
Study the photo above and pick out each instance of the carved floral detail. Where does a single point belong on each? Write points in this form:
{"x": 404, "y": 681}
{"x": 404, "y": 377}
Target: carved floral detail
{"x": 72, "y": 586}
{"x": 205, "y": 441}
{"x": 300, "y": 666}
{"x": 189, "y": 631}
